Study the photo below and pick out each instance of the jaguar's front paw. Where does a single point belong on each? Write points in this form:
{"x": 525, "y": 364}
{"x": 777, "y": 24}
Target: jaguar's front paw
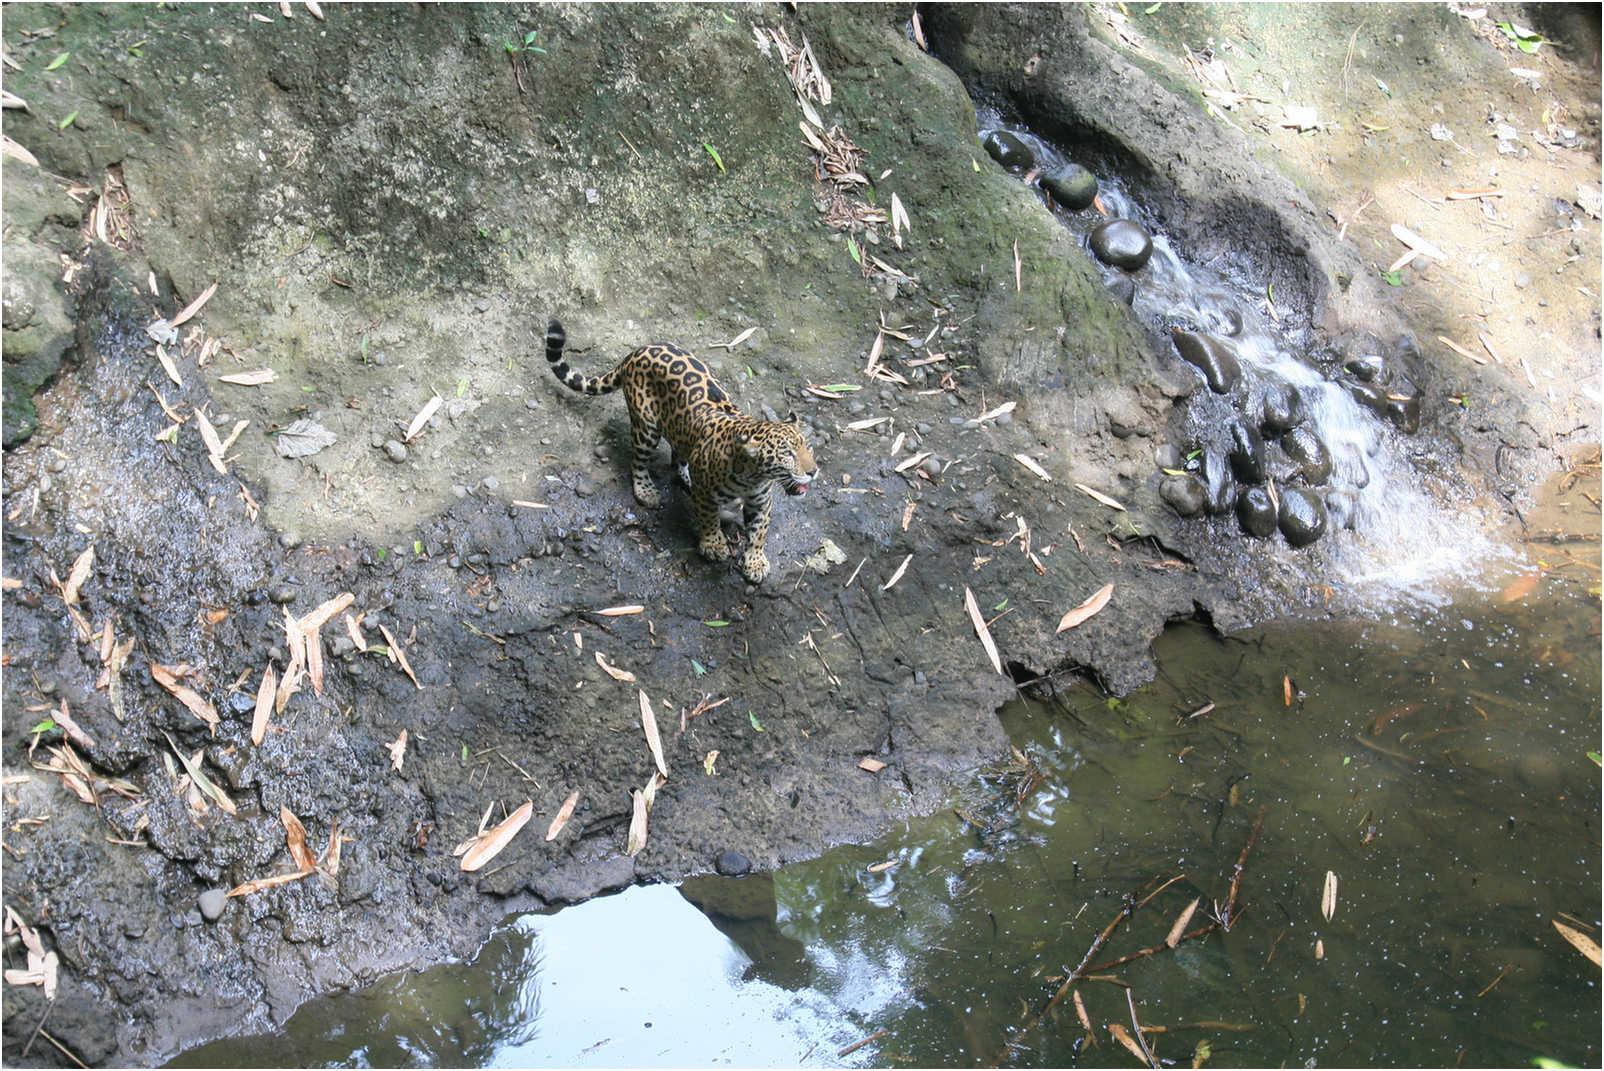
{"x": 754, "y": 566}
{"x": 647, "y": 495}
{"x": 715, "y": 548}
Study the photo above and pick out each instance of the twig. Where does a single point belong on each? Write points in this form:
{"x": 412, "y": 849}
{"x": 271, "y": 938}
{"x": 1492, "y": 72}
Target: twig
{"x": 1148, "y": 899}
{"x": 856, "y": 1045}
{"x": 1241, "y": 863}
{"x": 631, "y": 145}
{"x": 1136, "y": 1026}
{"x": 1487, "y": 989}
{"x": 1155, "y": 949}
{"x": 65, "y": 1051}
{"x": 35, "y": 1035}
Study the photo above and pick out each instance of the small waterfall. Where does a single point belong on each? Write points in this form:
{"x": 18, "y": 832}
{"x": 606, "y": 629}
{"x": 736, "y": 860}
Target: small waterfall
{"x": 1393, "y": 528}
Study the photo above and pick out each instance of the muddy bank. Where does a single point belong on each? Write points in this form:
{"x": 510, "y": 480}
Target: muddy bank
{"x": 391, "y": 201}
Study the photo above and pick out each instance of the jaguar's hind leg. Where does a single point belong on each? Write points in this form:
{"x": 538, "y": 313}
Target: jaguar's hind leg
{"x": 643, "y": 439}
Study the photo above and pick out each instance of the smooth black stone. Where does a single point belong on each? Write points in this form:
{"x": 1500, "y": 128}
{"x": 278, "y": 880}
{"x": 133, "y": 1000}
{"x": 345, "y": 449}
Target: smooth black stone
{"x": 1342, "y": 509}
{"x": 1308, "y": 451}
{"x": 1221, "y": 489}
{"x": 732, "y": 864}
{"x": 1008, "y": 150}
{"x": 1123, "y": 287}
{"x": 1255, "y": 512}
{"x": 1226, "y": 315}
{"x": 1368, "y": 395}
{"x": 1186, "y": 494}
{"x": 1247, "y": 452}
{"x": 1215, "y": 357}
{"x": 1303, "y": 516}
{"x": 1281, "y": 409}
{"x": 1403, "y": 407}
{"x": 1122, "y": 243}
{"x": 1072, "y": 186}
{"x": 1368, "y": 368}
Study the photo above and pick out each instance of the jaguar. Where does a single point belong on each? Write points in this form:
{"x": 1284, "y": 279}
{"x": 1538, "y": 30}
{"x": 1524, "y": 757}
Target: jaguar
{"x": 722, "y": 455}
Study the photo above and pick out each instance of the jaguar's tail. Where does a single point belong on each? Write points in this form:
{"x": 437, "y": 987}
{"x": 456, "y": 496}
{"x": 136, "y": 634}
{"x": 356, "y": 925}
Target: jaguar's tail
{"x": 556, "y": 339}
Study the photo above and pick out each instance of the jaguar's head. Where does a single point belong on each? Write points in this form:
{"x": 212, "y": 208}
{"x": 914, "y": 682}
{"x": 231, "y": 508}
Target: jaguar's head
{"x": 776, "y": 449}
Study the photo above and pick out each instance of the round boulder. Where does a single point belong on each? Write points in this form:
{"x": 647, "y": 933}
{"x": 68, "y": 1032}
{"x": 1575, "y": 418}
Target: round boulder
{"x": 1281, "y": 409}
{"x": 1369, "y": 395}
{"x": 1367, "y": 367}
{"x": 1255, "y": 512}
{"x": 1308, "y": 451}
{"x": 1247, "y": 452}
{"x": 1215, "y": 357}
{"x": 1122, "y": 243}
{"x": 1072, "y": 186}
{"x": 732, "y": 864}
{"x": 1302, "y": 517}
{"x": 1008, "y": 150}
{"x": 1186, "y": 494}
{"x": 1217, "y": 481}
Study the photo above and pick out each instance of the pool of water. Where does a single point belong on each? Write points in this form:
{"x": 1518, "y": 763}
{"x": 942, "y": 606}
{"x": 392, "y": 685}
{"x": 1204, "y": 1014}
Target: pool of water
{"x": 1436, "y": 763}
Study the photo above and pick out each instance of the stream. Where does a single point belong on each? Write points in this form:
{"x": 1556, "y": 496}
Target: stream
{"x": 1436, "y": 763}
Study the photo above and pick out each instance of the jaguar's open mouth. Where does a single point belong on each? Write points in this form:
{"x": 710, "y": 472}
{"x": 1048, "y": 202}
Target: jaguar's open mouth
{"x": 798, "y": 487}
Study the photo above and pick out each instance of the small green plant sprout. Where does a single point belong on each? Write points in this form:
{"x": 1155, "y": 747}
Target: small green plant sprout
{"x": 714, "y": 154}
{"x": 57, "y": 62}
{"x": 1526, "y": 40}
{"x": 529, "y": 42}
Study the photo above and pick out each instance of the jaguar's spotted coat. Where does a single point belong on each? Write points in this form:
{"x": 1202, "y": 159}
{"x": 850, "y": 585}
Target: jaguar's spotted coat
{"x": 722, "y": 455}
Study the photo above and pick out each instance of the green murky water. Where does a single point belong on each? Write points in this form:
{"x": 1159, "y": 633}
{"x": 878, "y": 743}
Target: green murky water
{"x": 1437, "y": 765}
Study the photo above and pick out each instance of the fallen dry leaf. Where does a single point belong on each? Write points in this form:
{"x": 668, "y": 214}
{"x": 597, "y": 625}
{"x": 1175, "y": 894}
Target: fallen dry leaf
{"x": 489, "y": 844}
{"x": 70, "y": 727}
{"x": 400, "y": 657}
{"x": 564, "y": 813}
{"x": 1099, "y": 496}
{"x": 1087, "y": 609}
{"x": 295, "y": 837}
{"x": 316, "y": 619}
{"x": 250, "y": 379}
{"x": 1286, "y": 691}
{"x": 398, "y": 751}
{"x": 246, "y": 888}
{"x": 912, "y": 460}
{"x": 896, "y": 576}
{"x": 1031, "y": 464}
{"x": 1123, "y": 1036}
{"x": 1179, "y": 928}
{"x": 1579, "y": 941}
{"x": 168, "y": 677}
{"x": 77, "y": 575}
{"x": 709, "y": 761}
{"x": 194, "y": 306}
{"x": 422, "y": 418}
{"x": 1328, "y": 898}
{"x": 1320, "y": 949}
{"x": 637, "y": 824}
{"x": 648, "y": 724}
{"x": 981, "y": 630}
{"x": 870, "y": 763}
{"x": 621, "y": 611}
{"x": 613, "y": 671}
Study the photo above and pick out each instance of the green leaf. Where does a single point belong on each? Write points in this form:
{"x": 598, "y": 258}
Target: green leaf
{"x": 852, "y": 247}
{"x": 465, "y": 753}
{"x": 1598, "y": 760}
{"x": 65, "y": 123}
{"x": 751, "y": 716}
{"x": 44, "y": 726}
{"x": 714, "y": 154}
{"x": 384, "y": 552}
{"x": 698, "y": 667}
{"x": 841, "y": 388}
{"x": 716, "y": 624}
{"x": 1152, "y": 9}
{"x": 417, "y": 547}
{"x": 462, "y": 387}
{"x": 1392, "y": 278}
{"x": 1195, "y": 454}
{"x": 1383, "y": 87}
{"x": 999, "y": 607}
{"x": 1551, "y": 1063}
{"x": 1346, "y": 759}
{"x": 58, "y": 61}
{"x": 1174, "y": 472}
{"x": 727, "y": 18}
{"x": 531, "y": 37}
{"x": 137, "y": 49}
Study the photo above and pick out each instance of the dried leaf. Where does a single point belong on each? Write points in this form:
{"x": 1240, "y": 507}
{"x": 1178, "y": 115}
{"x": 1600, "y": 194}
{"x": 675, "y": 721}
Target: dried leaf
{"x": 1087, "y": 609}
{"x": 621, "y": 611}
{"x": 353, "y": 629}
{"x": 613, "y": 671}
{"x": 866, "y": 424}
{"x": 870, "y": 763}
{"x": 736, "y": 341}
{"x": 709, "y": 761}
{"x": 1031, "y": 464}
{"x": 1123, "y": 1036}
{"x": 168, "y": 678}
{"x": 264, "y": 705}
{"x": 194, "y": 306}
{"x": 1418, "y": 244}
{"x": 400, "y": 656}
{"x": 1328, "y": 898}
{"x": 250, "y": 379}
{"x": 992, "y": 414}
{"x": 564, "y": 813}
{"x": 199, "y": 779}
{"x": 1179, "y": 928}
{"x": 17, "y": 152}
{"x": 295, "y": 837}
{"x": 490, "y": 844}
{"x": 1319, "y": 949}
{"x": 303, "y": 438}
{"x": 1099, "y": 496}
{"x": 919, "y": 38}
{"x": 312, "y": 6}
{"x": 70, "y": 727}
{"x": 246, "y": 888}
{"x": 78, "y": 574}
{"x": 321, "y": 616}
{"x": 422, "y": 418}
{"x": 981, "y": 630}
{"x": 896, "y": 576}
{"x": 648, "y": 723}
{"x": 912, "y": 460}
{"x": 314, "y": 660}
{"x": 1080, "y": 1013}
{"x": 1286, "y": 691}
{"x": 1579, "y": 941}
{"x": 637, "y": 824}
{"x": 398, "y": 751}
